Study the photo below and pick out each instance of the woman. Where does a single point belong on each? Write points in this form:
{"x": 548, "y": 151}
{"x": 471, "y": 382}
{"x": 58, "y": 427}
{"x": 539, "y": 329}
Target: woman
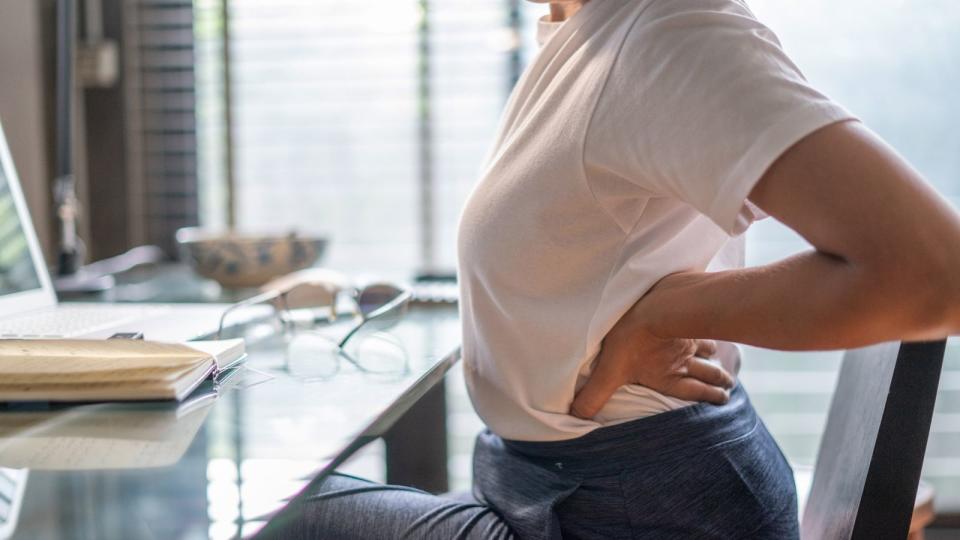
{"x": 601, "y": 255}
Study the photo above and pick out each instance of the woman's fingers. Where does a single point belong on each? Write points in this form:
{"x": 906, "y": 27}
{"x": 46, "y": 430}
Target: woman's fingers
{"x": 690, "y": 389}
{"x": 709, "y": 373}
{"x": 706, "y": 348}
{"x": 607, "y": 376}
{"x": 684, "y": 374}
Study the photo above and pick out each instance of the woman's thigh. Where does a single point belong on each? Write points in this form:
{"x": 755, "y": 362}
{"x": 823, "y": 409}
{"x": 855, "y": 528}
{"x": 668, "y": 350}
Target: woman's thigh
{"x": 346, "y": 507}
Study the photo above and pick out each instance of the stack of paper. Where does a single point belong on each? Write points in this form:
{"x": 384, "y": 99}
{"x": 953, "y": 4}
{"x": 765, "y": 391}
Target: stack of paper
{"x": 115, "y": 369}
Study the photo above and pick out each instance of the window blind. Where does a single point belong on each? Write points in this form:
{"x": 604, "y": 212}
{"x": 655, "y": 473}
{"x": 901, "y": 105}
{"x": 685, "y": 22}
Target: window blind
{"x": 327, "y": 108}
{"x": 161, "y": 112}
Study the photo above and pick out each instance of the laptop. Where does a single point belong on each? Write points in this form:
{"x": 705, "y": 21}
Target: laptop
{"x": 28, "y": 303}
{"x": 13, "y": 482}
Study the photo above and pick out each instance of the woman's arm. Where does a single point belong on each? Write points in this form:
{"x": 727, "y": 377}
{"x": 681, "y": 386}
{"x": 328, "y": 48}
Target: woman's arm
{"x": 885, "y": 264}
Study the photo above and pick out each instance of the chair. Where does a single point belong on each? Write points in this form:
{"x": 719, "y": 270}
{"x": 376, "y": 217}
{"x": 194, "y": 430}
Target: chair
{"x": 868, "y": 465}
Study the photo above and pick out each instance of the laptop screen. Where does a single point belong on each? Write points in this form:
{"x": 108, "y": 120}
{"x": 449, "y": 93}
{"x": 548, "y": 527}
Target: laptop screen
{"x": 17, "y": 273}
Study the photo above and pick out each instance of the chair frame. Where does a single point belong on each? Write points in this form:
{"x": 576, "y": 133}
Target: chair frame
{"x": 871, "y": 455}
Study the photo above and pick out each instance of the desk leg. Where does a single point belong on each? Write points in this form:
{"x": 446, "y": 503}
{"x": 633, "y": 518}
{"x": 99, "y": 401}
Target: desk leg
{"x": 417, "y": 444}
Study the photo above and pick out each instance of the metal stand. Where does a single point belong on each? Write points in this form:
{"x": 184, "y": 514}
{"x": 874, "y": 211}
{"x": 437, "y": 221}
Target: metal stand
{"x": 417, "y": 444}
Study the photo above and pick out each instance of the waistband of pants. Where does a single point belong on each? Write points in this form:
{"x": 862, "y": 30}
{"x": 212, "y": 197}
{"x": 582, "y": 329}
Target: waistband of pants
{"x": 665, "y": 436}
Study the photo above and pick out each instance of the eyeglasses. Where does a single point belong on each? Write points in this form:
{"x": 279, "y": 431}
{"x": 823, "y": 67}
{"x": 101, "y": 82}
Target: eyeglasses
{"x": 314, "y": 356}
{"x": 311, "y": 356}
{"x": 313, "y": 289}
{"x": 377, "y": 307}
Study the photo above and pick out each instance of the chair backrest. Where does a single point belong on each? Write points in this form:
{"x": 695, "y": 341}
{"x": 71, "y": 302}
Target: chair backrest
{"x": 868, "y": 466}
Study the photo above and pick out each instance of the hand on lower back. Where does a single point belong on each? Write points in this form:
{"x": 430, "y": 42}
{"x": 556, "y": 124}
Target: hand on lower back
{"x": 674, "y": 367}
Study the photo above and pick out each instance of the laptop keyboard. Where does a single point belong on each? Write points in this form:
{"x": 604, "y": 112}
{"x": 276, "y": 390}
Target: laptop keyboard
{"x": 71, "y": 321}
{"x": 8, "y": 490}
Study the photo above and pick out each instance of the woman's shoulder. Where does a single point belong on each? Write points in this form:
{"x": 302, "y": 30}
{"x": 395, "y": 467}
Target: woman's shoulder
{"x": 658, "y": 26}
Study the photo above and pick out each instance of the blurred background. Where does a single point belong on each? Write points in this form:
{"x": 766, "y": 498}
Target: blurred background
{"x": 367, "y": 122}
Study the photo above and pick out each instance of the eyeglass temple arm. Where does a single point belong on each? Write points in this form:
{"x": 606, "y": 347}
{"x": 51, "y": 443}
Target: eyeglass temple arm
{"x": 399, "y": 300}
{"x": 253, "y": 300}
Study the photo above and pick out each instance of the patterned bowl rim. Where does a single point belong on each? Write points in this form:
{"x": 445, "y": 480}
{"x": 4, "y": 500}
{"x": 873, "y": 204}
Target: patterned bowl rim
{"x": 200, "y": 235}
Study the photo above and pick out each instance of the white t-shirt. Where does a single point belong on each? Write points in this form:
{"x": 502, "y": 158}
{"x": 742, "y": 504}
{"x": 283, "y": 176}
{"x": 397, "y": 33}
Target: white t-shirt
{"x": 625, "y": 153}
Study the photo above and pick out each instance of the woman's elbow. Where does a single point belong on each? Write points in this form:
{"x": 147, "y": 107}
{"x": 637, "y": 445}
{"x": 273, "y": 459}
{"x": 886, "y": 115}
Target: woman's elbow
{"x": 923, "y": 293}
{"x": 943, "y": 303}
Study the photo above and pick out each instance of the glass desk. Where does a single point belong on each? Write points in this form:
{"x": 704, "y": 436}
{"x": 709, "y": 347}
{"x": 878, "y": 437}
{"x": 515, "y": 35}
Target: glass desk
{"x": 220, "y": 463}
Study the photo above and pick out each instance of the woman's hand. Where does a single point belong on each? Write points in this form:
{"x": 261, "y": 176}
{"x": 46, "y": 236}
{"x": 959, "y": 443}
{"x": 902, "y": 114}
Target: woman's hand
{"x": 631, "y": 354}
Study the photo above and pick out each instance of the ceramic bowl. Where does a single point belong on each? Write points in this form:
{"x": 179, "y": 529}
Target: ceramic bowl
{"x": 238, "y": 260}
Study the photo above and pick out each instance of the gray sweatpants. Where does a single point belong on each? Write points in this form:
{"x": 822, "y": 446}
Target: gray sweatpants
{"x": 699, "y": 472}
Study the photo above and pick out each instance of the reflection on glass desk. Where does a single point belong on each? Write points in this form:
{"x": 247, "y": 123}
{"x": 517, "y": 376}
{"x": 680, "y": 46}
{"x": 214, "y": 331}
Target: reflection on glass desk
{"x": 100, "y": 436}
{"x": 215, "y": 467}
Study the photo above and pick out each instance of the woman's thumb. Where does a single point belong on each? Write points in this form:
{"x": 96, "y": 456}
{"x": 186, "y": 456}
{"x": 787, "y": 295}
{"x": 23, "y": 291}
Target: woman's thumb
{"x": 603, "y": 382}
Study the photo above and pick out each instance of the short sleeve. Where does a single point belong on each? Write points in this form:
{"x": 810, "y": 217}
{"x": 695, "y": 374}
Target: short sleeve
{"x": 699, "y": 102}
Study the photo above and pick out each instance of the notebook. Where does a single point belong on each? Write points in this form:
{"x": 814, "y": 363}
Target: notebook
{"x": 110, "y": 370}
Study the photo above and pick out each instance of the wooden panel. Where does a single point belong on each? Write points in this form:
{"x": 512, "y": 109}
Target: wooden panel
{"x": 22, "y": 101}
{"x": 105, "y": 139}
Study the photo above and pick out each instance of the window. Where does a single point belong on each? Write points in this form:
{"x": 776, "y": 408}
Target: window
{"x": 896, "y": 65}
{"x": 365, "y": 121}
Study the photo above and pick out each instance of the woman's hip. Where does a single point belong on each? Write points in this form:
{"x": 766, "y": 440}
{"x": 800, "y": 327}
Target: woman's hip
{"x": 701, "y": 471}
{"x": 743, "y": 488}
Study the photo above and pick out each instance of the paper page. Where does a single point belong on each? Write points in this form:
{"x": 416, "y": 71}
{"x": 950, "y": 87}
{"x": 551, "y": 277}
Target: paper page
{"x": 122, "y": 375}
{"x": 137, "y": 390}
{"x": 71, "y": 356}
{"x": 225, "y": 351}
